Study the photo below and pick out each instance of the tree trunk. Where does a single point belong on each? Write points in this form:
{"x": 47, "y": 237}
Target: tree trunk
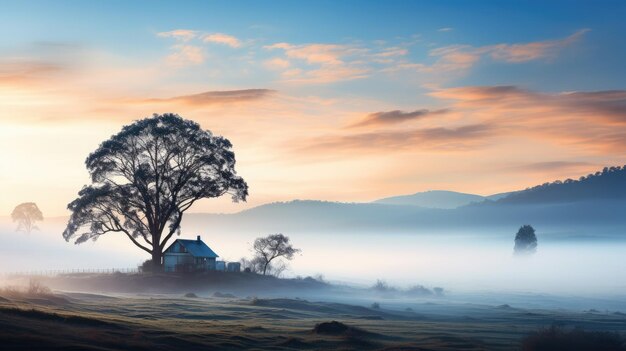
{"x": 157, "y": 255}
{"x": 265, "y": 267}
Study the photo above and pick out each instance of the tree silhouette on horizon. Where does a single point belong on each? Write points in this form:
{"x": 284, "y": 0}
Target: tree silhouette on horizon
{"x": 26, "y": 214}
{"x": 525, "y": 240}
{"x": 271, "y": 247}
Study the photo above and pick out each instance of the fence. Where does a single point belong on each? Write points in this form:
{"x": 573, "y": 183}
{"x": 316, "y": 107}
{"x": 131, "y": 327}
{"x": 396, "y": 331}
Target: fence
{"x": 57, "y": 272}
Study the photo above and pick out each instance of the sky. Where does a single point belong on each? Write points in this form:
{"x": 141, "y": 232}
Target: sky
{"x": 341, "y": 101}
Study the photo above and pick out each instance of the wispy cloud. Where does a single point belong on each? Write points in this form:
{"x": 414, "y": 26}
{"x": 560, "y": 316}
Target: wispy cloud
{"x": 188, "y": 50}
{"x": 462, "y": 57}
{"x": 392, "y": 52}
{"x": 26, "y": 72}
{"x": 325, "y": 63}
{"x": 329, "y": 54}
{"x": 593, "y": 121}
{"x": 214, "y": 97}
{"x": 221, "y": 38}
{"x": 277, "y": 63}
{"x": 396, "y": 116}
{"x": 442, "y": 139}
{"x": 179, "y": 34}
{"x": 322, "y": 63}
{"x": 608, "y": 106}
{"x": 185, "y": 55}
{"x": 445, "y": 29}
{"x": 516, "y": 53}
{"x": 452, "y": 58}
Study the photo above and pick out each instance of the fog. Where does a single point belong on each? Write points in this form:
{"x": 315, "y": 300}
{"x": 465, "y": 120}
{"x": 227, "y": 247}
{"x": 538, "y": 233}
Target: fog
{"x": 458, "y": 262}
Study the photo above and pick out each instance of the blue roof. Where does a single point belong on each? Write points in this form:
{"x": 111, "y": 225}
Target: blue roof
{"x": 197, "y": 248}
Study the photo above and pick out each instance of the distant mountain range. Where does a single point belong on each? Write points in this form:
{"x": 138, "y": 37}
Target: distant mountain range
{"x": 592, "y": 206}
{"x": 608, "y": 184}
{"x": 438, "y": 199}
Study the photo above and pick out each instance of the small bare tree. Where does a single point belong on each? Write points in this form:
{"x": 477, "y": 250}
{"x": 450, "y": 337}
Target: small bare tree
{"x": 26, "y": 214}
{"x": 270, "y": 248}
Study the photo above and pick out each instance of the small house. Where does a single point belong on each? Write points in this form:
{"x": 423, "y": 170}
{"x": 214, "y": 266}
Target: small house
{"x": 189, "y": 256}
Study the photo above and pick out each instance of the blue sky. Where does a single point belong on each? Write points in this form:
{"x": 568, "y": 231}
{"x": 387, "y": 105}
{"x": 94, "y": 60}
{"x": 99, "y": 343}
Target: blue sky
{"x": 129, "y": 27}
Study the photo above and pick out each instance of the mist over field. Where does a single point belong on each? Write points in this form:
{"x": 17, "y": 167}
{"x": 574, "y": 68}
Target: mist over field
{"x": 460, "y": 261}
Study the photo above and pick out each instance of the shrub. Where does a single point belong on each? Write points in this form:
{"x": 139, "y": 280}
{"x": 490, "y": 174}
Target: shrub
{"x": 332, "y": 328}
{"x": 146, "y": 266}
{"x": 382, "y": 286}
{"x": 36, "y": 288}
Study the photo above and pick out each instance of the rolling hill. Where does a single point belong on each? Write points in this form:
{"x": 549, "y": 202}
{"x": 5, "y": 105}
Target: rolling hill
{"x": 433, "y": 199}
{"x": 592, "y": 206}
{"x": 608, "y": 184}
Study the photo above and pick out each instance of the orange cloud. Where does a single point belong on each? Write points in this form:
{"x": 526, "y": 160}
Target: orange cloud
{"x": 221, "y": 38}
{"x": 462, "y": 138}
{"x": 277, "y": 63}
{"x": 216, "y": 97}
{"x": 179, "y": 34}
{"x": 396, "y": 116}
{"x": 185, "y": 55}
{"x": 531, "y": 51}
{"x": 452, "y": 58}
{"x": 23, "y": 73}
{"x": 460, "y": 58}
{"x": 609, "y": 106}
{"x": 581, "y": 124}
{"x": 330, "y": 54}
{"x": 595, "y": 121}
{"x": 326, "y": 62}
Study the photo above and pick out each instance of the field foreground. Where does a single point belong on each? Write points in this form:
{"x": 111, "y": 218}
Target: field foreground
{"x": 81, "y": 321}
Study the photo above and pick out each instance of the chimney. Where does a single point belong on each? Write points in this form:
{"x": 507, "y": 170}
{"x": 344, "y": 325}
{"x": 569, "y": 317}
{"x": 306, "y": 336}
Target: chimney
{"x": 199, "y": 238}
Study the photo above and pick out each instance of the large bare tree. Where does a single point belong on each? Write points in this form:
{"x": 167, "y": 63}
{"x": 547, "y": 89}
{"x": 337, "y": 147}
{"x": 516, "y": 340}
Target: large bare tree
{"x": 145, "y": 177}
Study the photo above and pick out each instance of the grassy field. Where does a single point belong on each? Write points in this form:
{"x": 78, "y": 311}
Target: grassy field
{"x": 81, "y": 321}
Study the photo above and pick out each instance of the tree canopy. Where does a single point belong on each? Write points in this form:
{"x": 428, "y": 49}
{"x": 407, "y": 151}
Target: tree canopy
{"x": 145, "y": 177}
{"x": 525, "y": 240}
{"x": 26, "y": 214}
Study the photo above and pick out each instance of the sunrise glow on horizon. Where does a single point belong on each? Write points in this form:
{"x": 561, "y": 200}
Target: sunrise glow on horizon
{"x": 350, "y": 102}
